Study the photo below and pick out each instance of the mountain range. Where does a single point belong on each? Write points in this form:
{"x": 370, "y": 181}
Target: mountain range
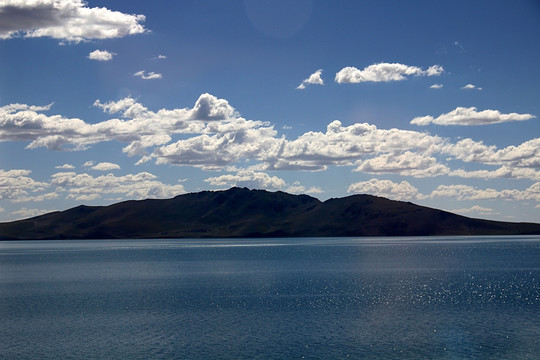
{"x": 240, "y": 212}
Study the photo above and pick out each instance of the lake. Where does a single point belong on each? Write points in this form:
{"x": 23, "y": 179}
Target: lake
{"x": 313, "y": 298}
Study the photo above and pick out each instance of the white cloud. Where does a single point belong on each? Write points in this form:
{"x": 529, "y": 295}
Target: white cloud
{"x": 159, "y": 57}
{"x": 525, "y": 155}
{"x": 340, "y": 145}
{"x": 105, "y": 166}
{"x": 16, "y": 183}
{"x": 17, "y": 187}
{"x": 220, "y": 149}
{"x": 129, "y": 106}
{"x": 346, "y": 145}
{"x": 65, "y": 167}
{"x": 502, "y": 172}
{"x": 386, "y": 188}
{"x": 151, "y": 75}
{"x": 101, "y": 55}
{"x": 13, "y": 108}
{"x": 215, "y": 136}
{"x": 69, "y": 20}
{"x": 135, "y": 186}
{"x": 466, "y": 192}
{"x": 25, "y": 213}
{"x": 260, "y": 180}
{"x": 407, "y": 164}
{"x": 248, "y": 178}
{"x": 141, "y": 128}
{"x": 297, "y": 188}
{"x": 434, "y": 70}
{"x": 405, "y": 191}
{"x": 471, "y": 87}
{"x": 436, "y": 86}
{"x": 384, "y": 72}
{"x": 479, "y": 210}
{"x": 35, "y": 197}
{"x": 85, "y": 197}
{"x": 470, "y": 116}
{"x": 313, "y": 79}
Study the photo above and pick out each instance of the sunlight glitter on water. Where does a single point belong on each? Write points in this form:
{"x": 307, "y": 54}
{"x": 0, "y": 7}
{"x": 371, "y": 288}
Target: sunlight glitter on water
{"x": 314, "y": 298}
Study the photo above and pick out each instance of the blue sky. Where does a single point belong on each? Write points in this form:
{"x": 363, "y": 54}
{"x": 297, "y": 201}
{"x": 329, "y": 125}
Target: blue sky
{"x": 436, "y": 103}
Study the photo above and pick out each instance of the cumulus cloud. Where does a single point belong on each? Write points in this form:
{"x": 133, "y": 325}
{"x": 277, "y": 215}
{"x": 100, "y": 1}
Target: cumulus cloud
{"x": 313, "y": 79}
{"x": 17, "y": 186}
{"x": 25, "y": 213}
{"x": 65, "y": 167}
{"x": 436, "y": 86}
{"x": 470, "y": 116}
{"x": 105, "y": 166}
{"x": 297, "y": 188}
{"x": 151, "y": 75}
{"x": 407, "y": 164}
{"x": 12, "y": 108}
{"x": 466, "y": 192}
{"x": 501, "y": 172}
{"x": 471, "y": 87}
{"x": 405, "y": 191}
{"x": 384, "y": 72}
{"x": 139, "y": 127}
{"x": 159, "y": 57}
{"x": 260, "y": 180}
{"x": 524, "y": 156}
{"x": 215, "y": 136}
{"x": 101, "y": 55}
{"x": 22, "y": 123}
{"x": 69, "y": 20}
{"x": 345, "y": 145}
{"x": 35, "y": 197}
{"x": 134, "y": 186}
{"x": 220, "y": 149}
{"x": 17, "y": 183}
{"x": 129, "y": 106}
{"x": 339, "y": 145}
{"x": 386, "y": 188}
{"x": 248, "y": 178}
{"x": 479, "y": 210}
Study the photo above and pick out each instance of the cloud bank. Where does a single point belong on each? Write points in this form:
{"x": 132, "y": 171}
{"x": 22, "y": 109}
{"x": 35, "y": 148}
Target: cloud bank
{"x": 105, "y": 166}
{"x": 384, "y": 72}
{"x": 386, "y": 188}
{"x": 470, "y": 116}
{"x": 212, "y": 135}
{"x": 69, "y": 20}
{"x": 405, "y": 191}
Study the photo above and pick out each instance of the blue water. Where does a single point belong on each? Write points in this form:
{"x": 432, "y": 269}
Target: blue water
{"x": 348, "y": 298}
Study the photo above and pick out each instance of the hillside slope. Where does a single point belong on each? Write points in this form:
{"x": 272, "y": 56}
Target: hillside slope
{"x": 254, "y": 213}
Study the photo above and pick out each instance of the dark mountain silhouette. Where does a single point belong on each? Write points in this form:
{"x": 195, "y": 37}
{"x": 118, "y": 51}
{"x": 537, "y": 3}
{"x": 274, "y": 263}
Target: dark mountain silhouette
{"x": 254, "y": 213}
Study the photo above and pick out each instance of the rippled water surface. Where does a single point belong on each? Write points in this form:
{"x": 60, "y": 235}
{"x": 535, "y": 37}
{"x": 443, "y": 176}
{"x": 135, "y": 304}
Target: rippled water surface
{"x": 356, "y": 298}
